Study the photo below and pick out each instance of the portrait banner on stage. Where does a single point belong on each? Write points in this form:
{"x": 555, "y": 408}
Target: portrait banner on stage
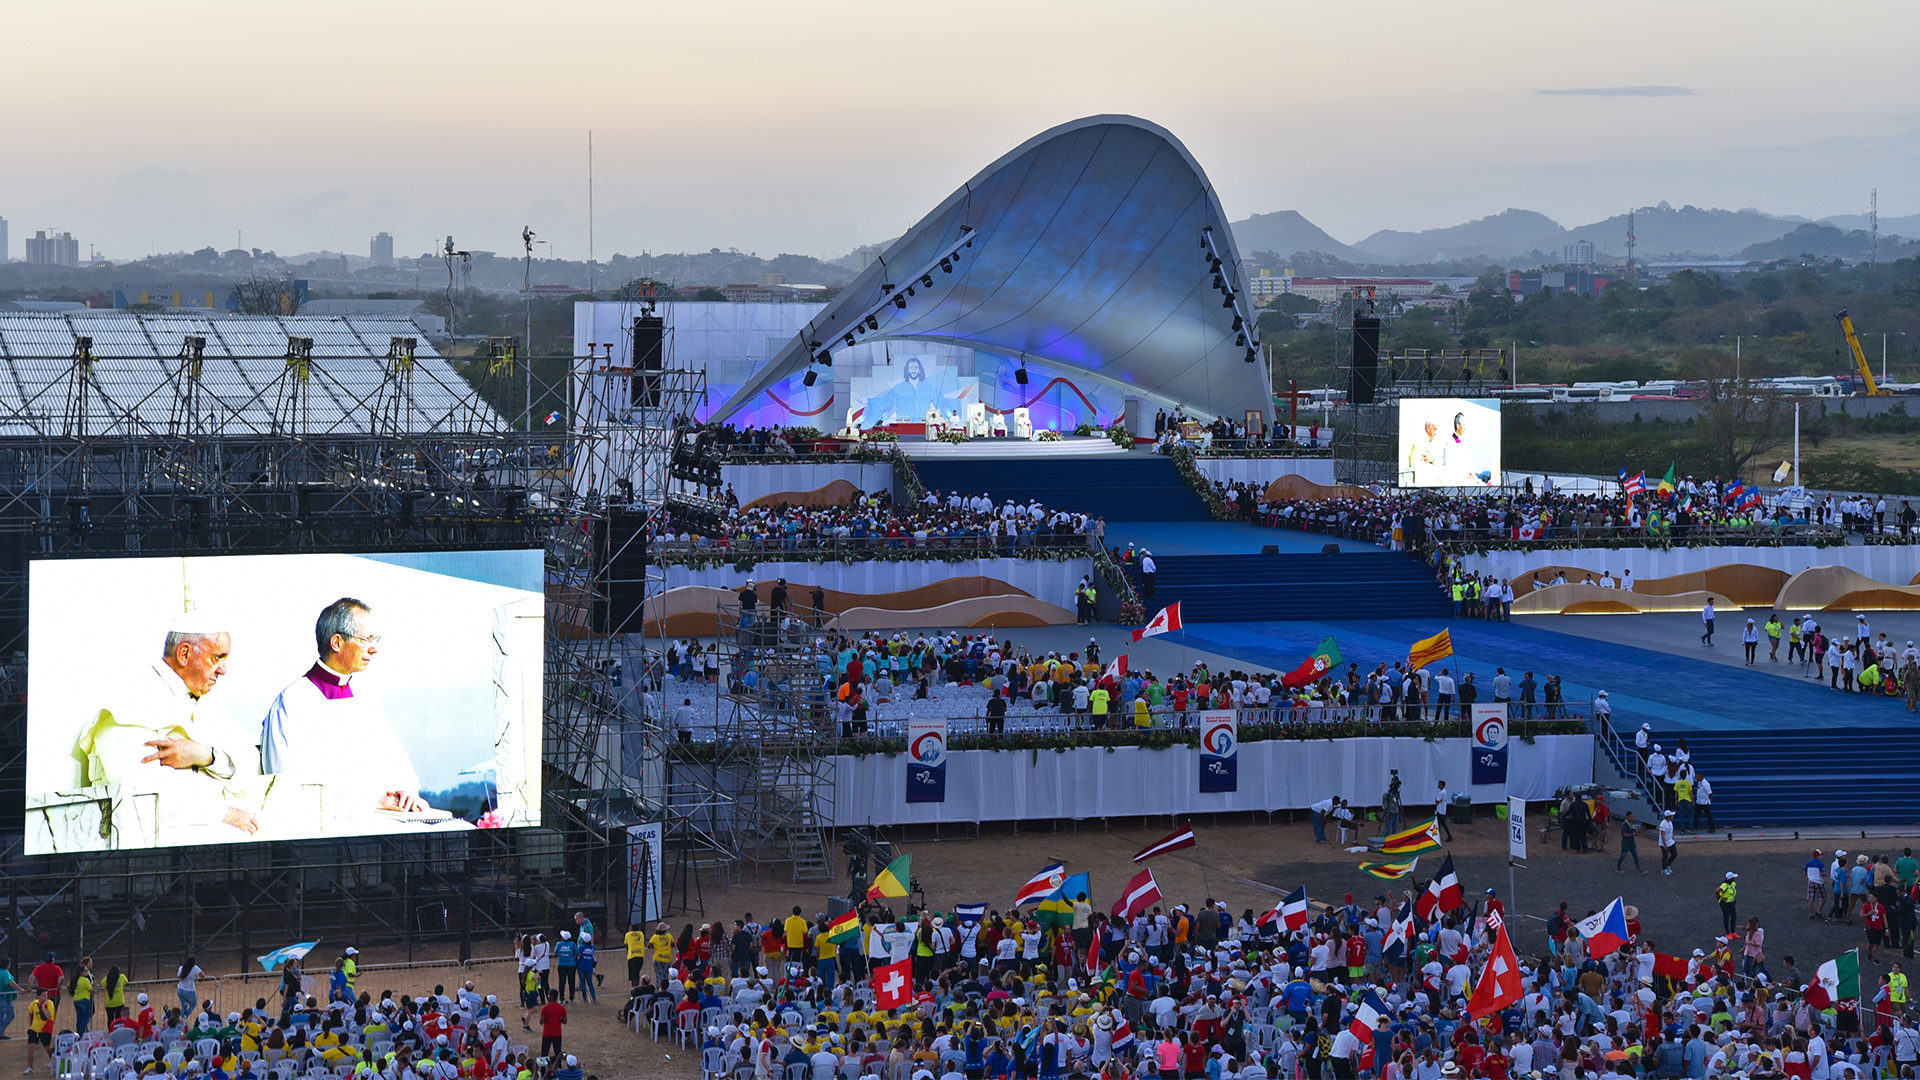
{"x": 1219, "y": 750}
{"x": 1489, "y": 744}
{"x": 926, "y": 761}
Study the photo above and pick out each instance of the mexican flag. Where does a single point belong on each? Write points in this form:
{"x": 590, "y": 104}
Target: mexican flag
{"x": 1836, "y": 981}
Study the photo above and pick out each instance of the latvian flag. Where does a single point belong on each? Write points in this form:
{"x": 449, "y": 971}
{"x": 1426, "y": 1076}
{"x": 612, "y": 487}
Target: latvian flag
{"x": 1140, "y": 894}
{"x": 1168, "y": 618}
{"x": 1173, "y": 841}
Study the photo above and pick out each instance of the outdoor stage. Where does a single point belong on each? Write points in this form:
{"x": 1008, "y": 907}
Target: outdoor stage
{"x": 1068, "y": 446}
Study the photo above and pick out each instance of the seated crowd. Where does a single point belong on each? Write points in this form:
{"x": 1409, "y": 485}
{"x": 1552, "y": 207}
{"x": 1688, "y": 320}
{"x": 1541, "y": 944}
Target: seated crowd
{"x": 1379, "y": 988}
{"x": 875, "y": 520}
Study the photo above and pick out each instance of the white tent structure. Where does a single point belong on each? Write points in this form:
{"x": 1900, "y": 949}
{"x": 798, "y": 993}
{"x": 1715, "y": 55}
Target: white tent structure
{"x": 1097, "y": 248}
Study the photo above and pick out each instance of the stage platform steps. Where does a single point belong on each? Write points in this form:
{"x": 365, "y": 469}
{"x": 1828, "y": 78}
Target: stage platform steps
{"x": 1254, "y": 588}
{"x": 1819, "y": 776}
{"x": 1135, "y": 486}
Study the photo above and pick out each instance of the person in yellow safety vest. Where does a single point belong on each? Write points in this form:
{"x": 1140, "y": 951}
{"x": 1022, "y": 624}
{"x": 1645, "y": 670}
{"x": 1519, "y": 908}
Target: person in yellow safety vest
{"x": 351, "y": 966}
{"x": 1459, "y": 593}
{"x": 1725, "y": 893}
{"x": 1897, "y": 990}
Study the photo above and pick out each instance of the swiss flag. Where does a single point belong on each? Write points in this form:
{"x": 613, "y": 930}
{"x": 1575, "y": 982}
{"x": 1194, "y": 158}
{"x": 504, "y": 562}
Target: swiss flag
{"x": 1500, "y": 984}
{"x": 1167, "y": 618}
{"x": 893, "y": 985}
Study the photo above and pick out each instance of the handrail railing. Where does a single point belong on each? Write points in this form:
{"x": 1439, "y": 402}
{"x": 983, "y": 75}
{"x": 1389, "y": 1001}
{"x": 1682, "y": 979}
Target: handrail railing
{"x": 1626, "y": 761}
{"x": 1056, "y": 546}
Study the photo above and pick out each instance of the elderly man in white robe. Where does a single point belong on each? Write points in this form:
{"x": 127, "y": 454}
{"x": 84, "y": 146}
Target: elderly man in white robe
{"x": 320, "y": 730}
{"x": 151, "y": 738}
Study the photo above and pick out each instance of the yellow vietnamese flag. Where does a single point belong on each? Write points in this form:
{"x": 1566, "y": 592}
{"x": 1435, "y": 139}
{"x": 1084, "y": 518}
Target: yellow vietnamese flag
{"x": 1427, "y": 650}
{"x": 891, "y": 882}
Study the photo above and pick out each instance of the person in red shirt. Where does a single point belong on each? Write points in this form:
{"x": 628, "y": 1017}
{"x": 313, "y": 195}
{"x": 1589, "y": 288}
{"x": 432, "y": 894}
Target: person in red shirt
{"x": 1494, "y": 906}
{"x": 553, "y": 1018}
{"x": 1496, "y": 1064}
{"x": 1874, "y": 914}
{"x": 48, "y": 976}
{"x": 1470, "y": 1054}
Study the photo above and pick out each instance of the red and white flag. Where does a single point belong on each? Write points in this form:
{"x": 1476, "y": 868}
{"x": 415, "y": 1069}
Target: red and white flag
{"x": 1140, "y": 894}
{"x": 1168, "y": 618}
{"x": 1173, "y": 841}
{"x": 1500, "y": 984}
{"x": 1116, "y": 670}
{"x": 893, "y": 985}
{"x": 1293, "y": 909}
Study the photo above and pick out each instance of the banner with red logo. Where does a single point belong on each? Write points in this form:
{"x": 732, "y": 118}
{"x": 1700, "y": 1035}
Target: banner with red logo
{"x": 926, "y": 761}
{"x": 1219, "y": 750}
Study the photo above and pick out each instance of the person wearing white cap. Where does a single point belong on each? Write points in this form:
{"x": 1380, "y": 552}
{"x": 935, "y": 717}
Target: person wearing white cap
{"x": 149, "y": 738}
{"x": 1750, "y": 640}
{"x": 1667, "y": 850}
{"x": 1729, "y": 888}
{"x": 1148, "y": 570}
{"x": 322, "y": 729}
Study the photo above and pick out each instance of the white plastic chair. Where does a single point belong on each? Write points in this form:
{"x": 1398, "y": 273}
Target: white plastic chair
{"x": 713, "y": 1061}
{"x": 686, "y": 1029}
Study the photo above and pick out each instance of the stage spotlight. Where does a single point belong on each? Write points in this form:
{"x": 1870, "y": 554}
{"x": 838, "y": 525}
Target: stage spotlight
{"x": 1238, "y": 322}
{"x": 947, "y": 265}
{"x": 1219, "y": 282}
{"x": 1252, "y": 355}
{"x": 850, "y": 341}
{"x": 900, "y": 302}
{"x": 825, "y": 358}
{"x": 1020, "y": 375}
{"x": 1240, "y": 339}
{"x": 873, "y": 323}
{"x": 926, "y": 280}
{"x": 909, "y": 290}
{"x": 1228, "y": 302}
{"x": 810, "y": 377}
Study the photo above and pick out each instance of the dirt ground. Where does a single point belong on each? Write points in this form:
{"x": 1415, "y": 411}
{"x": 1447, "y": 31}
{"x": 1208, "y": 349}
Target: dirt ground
{"x": 1247, "y": 864}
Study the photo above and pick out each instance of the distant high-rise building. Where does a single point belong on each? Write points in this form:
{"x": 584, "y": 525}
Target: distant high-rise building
{"x": 381, "y": 249}
{"x": 1578, "y": 253}
{"x": 3, "y": 240}
{"x": 60, "y": 249}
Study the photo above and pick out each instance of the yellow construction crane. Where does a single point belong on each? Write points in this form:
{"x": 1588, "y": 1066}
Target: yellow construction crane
{"x": 1859, "y": 357}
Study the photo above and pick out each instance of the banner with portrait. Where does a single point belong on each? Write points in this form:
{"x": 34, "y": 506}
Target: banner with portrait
{"x": 1489, "y": 746}
{"x": 926, "y": 761}
{"x": 1219, "y": 750}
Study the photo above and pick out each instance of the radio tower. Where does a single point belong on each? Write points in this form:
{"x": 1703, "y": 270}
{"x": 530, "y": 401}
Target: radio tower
{"x": 1629, "y": 243}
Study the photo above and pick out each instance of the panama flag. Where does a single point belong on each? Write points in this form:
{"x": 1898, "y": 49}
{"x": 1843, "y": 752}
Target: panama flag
{"x": 1293, "y": 909}
{"x": 1041, "y": 885}
{"x": 1605, "y": 930}
{"x": 552, "y": 416}
{"x": 1168, "y": 618}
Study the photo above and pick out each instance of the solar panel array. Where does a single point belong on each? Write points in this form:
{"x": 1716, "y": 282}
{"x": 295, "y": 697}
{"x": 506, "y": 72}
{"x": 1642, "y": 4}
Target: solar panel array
{"x": 136, "y": 385}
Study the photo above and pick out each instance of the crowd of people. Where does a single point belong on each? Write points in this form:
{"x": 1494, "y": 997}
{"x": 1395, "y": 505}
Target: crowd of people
{"x": 870, "y": 683}
{"x": 1394, "y": 988}
{"x": 315, "y": 1025}
{"x": 875, "y": 521}
{"x": 1861, "y": 663}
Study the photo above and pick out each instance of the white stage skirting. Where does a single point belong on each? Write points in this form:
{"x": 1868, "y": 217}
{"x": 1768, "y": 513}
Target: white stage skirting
{"x": 1130, "y": 781}
{"x": 752, "y": 481}
{"x": 1264, "y": 471}
{"x": 1069, "y": 446}
{"x": 1040, "y": 578}
{"x": 1892, "y": 565}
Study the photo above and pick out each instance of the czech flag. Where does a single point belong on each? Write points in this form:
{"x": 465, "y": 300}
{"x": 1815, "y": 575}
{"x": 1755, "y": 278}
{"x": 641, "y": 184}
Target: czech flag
{"x": 1605, "y": 930}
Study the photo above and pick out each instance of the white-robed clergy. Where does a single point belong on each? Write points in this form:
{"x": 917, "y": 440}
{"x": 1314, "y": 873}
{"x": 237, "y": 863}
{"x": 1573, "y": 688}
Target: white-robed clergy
{"x": 152, "y": 738}
{"x": 321, "y": 730}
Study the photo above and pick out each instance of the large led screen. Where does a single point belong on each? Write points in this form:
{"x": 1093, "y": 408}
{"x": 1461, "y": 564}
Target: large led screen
{"x": 1449, "y": 442}
{"x": 235, "y": 699}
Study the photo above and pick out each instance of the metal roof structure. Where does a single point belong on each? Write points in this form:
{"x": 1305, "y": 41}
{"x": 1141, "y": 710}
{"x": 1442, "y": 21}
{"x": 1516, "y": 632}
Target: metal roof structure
{"x": 1097, "y": 246}
{"x": 134, "y": 377}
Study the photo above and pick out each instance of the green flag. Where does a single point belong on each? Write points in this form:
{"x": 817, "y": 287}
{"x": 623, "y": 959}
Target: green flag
{"x": 1329, "y": 651}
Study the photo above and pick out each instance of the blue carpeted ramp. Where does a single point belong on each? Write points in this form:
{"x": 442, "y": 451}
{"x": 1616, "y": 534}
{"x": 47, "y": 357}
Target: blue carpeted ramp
{"x": 1348, "y": 585}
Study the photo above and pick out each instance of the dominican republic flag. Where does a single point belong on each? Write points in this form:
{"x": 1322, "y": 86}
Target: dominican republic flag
{"x": 1140, "y": 894}
{"x": 1173, "y": 841}
{"x": 1168, "y": 618}
{"x": 1400, "y": 937}
{"x": 1367, "y": 1018}
{"x": 1041, "y": 885}
{"x": 1633, "y": 485}
{"x": 551, "y": 417}
{"x": 1443, "y": 894}
{"x": 969, "y": 913}
{"x": 1118, "y": 669}
{"x": 1122, "y": 1033}
{"x": 1605, "y": 930}
{"x": 1293, "y": 909}
{"x": 1499, "y": 984}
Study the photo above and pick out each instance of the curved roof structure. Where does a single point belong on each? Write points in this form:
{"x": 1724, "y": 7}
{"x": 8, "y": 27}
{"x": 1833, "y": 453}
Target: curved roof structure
{"x": 1097, "y": 246}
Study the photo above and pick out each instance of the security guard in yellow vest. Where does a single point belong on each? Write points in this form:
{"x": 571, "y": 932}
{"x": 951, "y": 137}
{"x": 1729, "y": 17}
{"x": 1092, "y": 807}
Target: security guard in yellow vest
{"x": 1728, "y": 888}
{"x": 1897, "y": 990}
{"x": 1459, "y": 594}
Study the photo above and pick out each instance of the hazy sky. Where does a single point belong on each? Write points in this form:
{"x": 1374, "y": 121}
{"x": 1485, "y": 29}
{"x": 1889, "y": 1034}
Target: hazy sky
{"x": 813, "y": 127}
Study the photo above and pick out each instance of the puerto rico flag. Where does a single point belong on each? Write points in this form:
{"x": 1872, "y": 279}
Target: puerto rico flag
{"x": 1633, "y": 485}
{"x": 1168, "y": 618}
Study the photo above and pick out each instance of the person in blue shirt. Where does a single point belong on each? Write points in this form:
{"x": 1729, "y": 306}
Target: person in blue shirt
{"x": 9, "y": 990}
{"x": 1298, "y": 996}
{"x": 565, "y": 960}
{"x": 337, "y": 989}
{"x": 584, "y": 959}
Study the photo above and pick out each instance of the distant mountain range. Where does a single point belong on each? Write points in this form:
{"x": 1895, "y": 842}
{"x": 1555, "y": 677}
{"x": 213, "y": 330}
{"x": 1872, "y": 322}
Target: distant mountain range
{"x": 1525, "y": 236}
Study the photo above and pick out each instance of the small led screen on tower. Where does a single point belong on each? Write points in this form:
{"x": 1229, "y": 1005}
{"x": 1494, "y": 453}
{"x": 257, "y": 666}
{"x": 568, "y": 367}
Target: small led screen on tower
{"x": 1449, "y": 442}
{"x": 236, "y": 699}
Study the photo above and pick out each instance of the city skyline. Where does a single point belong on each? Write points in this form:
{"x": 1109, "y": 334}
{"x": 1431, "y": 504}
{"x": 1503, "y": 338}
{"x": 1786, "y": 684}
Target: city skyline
{"x": 769, "y": 130}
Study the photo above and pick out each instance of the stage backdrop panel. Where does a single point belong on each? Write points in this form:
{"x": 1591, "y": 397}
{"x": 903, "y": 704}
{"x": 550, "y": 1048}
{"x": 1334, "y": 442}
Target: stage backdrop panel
{"x": 1000, "y": 785}
{"x": 752, "y": 481}
{"x": 1893, "y": 565}
{"x": 1042, "y": 579}
{"x": 1263, "y": 471}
